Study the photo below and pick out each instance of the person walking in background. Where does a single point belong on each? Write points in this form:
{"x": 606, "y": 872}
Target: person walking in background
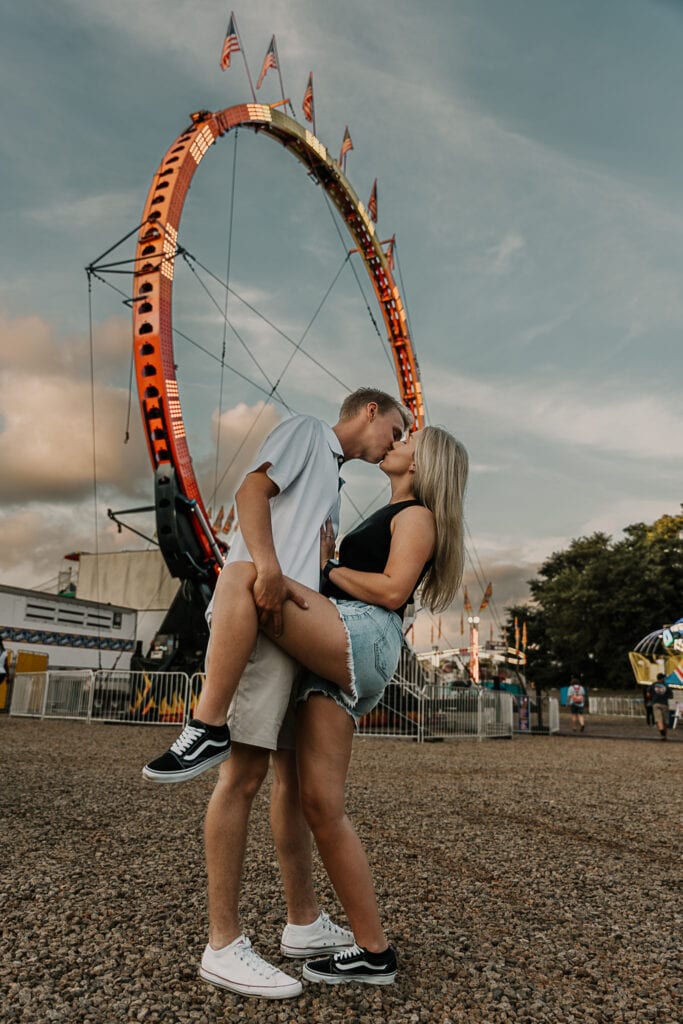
{"x": 576, "y": 702}
{"x": 5, "y": 690}
{"x": 647, "y": 701}
{"x": 660, "y": 695}
{"x": 3, "y": 662}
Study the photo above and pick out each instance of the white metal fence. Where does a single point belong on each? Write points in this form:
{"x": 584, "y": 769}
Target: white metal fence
{"x": 148, "y": 698}
{"x": 631, "y": 707}
{"x": 409, "y": 708}
{"x": 414, "y": 707}
{"x": 428, "y": 714}
{"x": 52, "y": 694}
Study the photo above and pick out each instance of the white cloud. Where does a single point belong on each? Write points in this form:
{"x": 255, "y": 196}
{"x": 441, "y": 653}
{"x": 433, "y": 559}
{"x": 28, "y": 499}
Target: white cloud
{"x": 641, "y": 426}
{"x": 34, "y": 539}
{"x": 502, "y": 256}
{"x": 46, "y": 438}
{"x": 242, "y": 430}
{"x": 87, "y": 212}
{"x": 626, "y": 511}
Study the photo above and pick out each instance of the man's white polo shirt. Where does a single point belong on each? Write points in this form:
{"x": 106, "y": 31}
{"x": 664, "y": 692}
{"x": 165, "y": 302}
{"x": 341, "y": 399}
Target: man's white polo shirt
{"x": 304, "y": 455}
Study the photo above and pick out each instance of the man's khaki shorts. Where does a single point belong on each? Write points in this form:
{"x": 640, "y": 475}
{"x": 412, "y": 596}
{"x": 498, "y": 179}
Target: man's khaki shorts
{"x": 660, "y": 713}
{"x": 262, "y": 710}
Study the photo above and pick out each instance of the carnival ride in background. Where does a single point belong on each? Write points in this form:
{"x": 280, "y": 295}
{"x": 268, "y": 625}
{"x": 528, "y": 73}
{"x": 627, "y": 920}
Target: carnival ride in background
{"x": 660, "y": 651}
{"x": 189, "y": 540}
{"x": 190, "y": 547}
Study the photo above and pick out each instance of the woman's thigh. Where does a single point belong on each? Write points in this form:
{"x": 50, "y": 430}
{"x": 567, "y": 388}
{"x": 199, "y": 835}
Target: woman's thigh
{"x": 315, "y": 637}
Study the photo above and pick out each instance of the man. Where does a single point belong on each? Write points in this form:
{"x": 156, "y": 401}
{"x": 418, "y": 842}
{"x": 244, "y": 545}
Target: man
{"x": 660, "y": 694}
{"x": 287, "y": 495}
{"x": 576, "y": 701}
{"x": 647, "y": 701}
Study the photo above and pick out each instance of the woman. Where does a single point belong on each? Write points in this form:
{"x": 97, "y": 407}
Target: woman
{"x": 349, "y": 643}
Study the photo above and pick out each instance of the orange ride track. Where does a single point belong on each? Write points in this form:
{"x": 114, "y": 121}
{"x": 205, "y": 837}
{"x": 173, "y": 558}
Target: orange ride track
{"x": 153, "y": 288}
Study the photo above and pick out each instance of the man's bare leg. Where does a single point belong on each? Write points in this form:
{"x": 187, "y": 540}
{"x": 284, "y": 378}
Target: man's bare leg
{"x": 229, "y": 961}
{"x": 227, "y": 820}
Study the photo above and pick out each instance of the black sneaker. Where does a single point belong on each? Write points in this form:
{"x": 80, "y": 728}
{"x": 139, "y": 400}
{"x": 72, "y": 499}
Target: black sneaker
{"x": 198, "y": 747}
{"x": 354, "y": 964}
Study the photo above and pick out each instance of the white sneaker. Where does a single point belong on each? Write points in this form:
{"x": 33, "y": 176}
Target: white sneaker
{"x": 239, "y": 968}
{"x": 323, "y": 936}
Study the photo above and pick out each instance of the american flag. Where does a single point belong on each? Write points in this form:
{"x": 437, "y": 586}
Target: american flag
{"x": 346, "y": 145}
{"x": 269, "y": 61}
{"x": 231, "y": 44}
{"x": 372, "y": 202}
{"x": 307, "y": 105}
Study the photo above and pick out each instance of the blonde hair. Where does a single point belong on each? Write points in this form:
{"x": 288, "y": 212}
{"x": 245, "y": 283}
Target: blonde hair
{"x": 441, "y": 465}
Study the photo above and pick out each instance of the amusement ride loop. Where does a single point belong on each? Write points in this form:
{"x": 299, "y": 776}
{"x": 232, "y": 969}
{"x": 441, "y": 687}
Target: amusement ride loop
{"x": 186, "y": 537}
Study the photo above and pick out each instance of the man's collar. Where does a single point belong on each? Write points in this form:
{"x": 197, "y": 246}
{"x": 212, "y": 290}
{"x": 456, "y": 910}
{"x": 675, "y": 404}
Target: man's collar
{"x": 335, "y": 444}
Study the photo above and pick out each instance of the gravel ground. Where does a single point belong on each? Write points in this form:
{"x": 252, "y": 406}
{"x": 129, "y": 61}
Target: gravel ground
{"x": 525, "y": 880}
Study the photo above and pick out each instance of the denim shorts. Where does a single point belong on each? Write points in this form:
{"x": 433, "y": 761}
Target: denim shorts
{"x": 375, "y": 639}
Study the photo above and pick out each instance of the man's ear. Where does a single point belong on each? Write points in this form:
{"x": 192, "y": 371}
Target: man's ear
{"x": 371, "y": 410}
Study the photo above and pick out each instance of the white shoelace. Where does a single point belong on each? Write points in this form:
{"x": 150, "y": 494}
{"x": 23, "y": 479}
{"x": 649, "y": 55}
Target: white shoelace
{"x": 330, "y": 926}
{"x": 187, "y": 737}
{"x": 256, "y": 963}
{"x": 345, "y": 954}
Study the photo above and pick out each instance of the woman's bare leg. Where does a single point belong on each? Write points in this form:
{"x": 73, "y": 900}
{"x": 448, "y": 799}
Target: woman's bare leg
{"x": 324, "y": 740}
{"x": 314, "y": 636}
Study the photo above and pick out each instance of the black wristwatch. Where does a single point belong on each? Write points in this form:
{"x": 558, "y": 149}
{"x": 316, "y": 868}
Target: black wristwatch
{"x": 329, "y": 565}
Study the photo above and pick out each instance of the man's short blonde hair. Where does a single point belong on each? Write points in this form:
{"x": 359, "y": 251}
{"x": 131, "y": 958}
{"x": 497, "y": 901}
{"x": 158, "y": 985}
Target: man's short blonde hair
{"x": 385, "y": 403}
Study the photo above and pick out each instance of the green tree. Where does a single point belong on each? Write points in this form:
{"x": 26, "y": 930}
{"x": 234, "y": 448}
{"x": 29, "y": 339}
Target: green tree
{"x": 539, "y": 668}
{"x": 592, "y": 603}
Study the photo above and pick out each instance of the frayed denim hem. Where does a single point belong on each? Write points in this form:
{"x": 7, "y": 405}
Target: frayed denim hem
{"x": 348, "y": 700}
{"x": 336, "y": 696}
{"x": 373, "y": 648}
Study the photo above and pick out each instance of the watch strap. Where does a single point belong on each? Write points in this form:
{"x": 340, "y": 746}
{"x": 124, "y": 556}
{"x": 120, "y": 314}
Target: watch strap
{"x": 329, "y": 565}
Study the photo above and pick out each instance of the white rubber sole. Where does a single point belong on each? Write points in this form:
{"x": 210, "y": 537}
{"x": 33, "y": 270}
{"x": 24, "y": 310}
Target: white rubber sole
{"x": 361, "y": 979}
{"x": 186, "y": 774}
{"x": 281, "y": 992}
{"x": 297, "y": 953}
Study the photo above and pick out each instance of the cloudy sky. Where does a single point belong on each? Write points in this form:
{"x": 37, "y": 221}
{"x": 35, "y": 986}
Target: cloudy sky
{"x": 529, "y": 161}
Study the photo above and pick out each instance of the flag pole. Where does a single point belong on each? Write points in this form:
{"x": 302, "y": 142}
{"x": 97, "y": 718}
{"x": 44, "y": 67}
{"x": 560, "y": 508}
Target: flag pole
{"x": 244, "y": 56}
{"x": 279, "y": 74}
{"x": 312, "y": 117}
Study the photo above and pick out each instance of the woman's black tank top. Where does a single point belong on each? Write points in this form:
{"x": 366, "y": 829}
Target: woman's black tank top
{"x": 367, "y": 549}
